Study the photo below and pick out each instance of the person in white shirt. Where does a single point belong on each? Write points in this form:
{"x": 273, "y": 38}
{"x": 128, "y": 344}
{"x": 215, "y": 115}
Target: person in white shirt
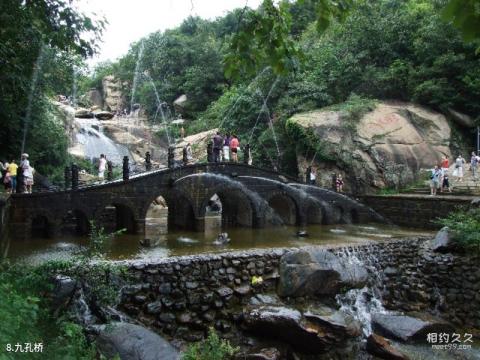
{"x": 313, "y": 176}
{"x": 102, "y": 164}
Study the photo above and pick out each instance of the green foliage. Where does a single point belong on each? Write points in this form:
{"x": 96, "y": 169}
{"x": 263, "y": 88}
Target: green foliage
{"x": 95, "y": 275}
{"x": 465, "y": 15}
{"x": 46, "y": 38}
{"x": 465, "y": 225}
{"x": 26, "y": 318}
{"x": 264, "y": 35}
{"x": 212, "y": 348}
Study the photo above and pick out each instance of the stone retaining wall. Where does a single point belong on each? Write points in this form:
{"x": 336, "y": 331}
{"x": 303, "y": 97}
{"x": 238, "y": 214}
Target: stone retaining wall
{"x": 184, "y": 296}
{"x": 414, "y": 211}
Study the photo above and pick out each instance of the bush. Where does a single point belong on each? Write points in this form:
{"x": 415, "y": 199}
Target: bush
{"x": 465, "y": 226}
{"x": 26, "y": 318}
{"x": 212, "y": 348}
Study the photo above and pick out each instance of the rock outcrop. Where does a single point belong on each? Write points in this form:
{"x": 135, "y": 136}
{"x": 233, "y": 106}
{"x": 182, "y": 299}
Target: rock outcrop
{"x": 133, "y": 342}
{"x": 381, "y": 347}
{"x": 386, "y": 147}
{"x": 407, "y": 328}
{"x": 308, "y": 333}
{"x": 113, "y": 99}
{"x": 443, "y": 241}
{"x": 317, "y": 272}
{"x": 198, "y": 143}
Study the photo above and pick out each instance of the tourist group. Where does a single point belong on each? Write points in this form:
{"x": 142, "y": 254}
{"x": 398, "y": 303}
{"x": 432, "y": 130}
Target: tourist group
{"x": 17, "y": 178}
{"x": 439, "y": 175}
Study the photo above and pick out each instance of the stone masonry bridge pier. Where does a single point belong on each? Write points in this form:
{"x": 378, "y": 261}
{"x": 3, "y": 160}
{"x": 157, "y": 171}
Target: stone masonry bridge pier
{"x": 249, "y": 196}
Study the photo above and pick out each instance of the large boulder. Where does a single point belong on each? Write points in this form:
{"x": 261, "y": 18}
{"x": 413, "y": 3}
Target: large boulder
{"x": 407, "y": 328}
{"x": 387, "y": 146}
{"x": 113, "y": 99}
{"x": 198, "y": 142}
{"x": 317, "y": 272}
{"x": 284, "y": 324}
{"x": 103, "y": 115}
{"x": 94, "y": 97}
{"x": 443, "y": 241}
{"x": 83, "y": 113}
{"x": 379, "y": 346}
{"x": 337, "y": 323}
{"x": 133, "y": 342}
{"x": 180, "y": 103}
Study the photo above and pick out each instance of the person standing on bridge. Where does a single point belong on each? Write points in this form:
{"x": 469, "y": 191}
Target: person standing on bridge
{"x": 226, "y": 148}
{"x": 217, "y": 146}
{"x": 12, "y": 169}
{"x": 234, "y": 145}
{"x": 474, "y": 165}
{"x": 102, "y": 164}
{"x": 313, "y": 176}
{"x": 27, "y": 174}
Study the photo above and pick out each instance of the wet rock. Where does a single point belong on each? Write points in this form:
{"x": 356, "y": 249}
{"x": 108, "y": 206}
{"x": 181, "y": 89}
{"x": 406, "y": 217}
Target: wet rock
{"x": 317, "y": 272}
{"x": 285, "y": 324}
{"x": 185, "y": 318}
{"x": 336, "y": 323}
{"x": 224, "y": 291}
{"x": 381, "y": 347}
{"x": 64, "y": 288}
{"x": 265, "y": 354}
{"x": 133, "y": 342}
{"x": 154, "y": 308}
{"x": 84, "y": 114}
{"x": 475, "y": 203}
{"x": 408, "y": 329}
{"x": 103, "y": 115}
{"x": 243, "y": 290}
{"x": 167, "y": 317}
{"x": 443, "y": 241}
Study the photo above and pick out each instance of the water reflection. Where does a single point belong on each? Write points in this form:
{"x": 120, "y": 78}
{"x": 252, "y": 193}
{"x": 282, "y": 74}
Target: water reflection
{"x": 188, "y": 243}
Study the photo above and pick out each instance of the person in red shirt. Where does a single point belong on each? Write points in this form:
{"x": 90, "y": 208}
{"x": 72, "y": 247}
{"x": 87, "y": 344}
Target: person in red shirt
{"x": 445, "y": 162}
{"x": 444, "y": 167}
{"x": 234, "y": 145}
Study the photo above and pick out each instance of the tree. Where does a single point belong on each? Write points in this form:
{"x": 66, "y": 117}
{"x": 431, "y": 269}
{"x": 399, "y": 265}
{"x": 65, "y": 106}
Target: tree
{"x": 41, "y": 38}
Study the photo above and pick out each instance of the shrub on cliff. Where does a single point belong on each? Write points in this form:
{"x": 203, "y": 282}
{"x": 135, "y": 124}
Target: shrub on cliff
{"x": 465, "y": 225}
{"x": 212, "y": 348}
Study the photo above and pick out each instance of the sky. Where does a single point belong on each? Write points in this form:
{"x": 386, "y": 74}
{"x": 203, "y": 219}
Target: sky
{"x": 130, "y": 20}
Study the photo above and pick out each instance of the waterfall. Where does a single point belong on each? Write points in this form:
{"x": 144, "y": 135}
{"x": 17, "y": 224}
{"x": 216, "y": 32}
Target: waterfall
{"x": 362, "y": 303}
{"x": 95, "y": 142}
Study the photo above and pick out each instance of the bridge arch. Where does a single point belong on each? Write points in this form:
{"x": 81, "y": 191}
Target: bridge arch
{"x": 116, "y": 215}
{"x": 42, "y": 224}
{"x": 314, "y": 212}
{"x": 285, "y": 206}
{"x": 239, "y": 209}
{"x": 75, "y": 222}
{"x": 176, "y": 209}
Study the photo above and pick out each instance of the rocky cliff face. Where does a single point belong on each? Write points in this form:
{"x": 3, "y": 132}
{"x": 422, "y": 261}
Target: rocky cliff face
{"x": 389, "y": 146}
{"x": 113, "y": 98}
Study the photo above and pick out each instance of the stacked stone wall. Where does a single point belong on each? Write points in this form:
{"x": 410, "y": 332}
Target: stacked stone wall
{"x": 182, "y": 297}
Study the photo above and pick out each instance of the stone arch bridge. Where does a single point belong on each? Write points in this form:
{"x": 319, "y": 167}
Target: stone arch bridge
{"x": 250, "y": 197}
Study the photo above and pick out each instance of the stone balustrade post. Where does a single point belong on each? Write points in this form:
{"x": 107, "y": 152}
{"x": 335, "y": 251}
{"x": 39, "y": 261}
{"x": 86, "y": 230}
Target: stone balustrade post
{"x": 126, "y": 169}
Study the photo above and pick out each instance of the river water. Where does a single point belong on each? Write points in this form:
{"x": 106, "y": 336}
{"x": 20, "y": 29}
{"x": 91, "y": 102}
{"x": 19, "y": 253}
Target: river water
{"x": 188, "y": 243}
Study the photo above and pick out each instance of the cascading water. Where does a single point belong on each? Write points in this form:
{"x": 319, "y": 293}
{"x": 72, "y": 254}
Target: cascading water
{"x": 95, "y": 142}
{"x": 362, "y": 303}
{"x": 33, "y": 85}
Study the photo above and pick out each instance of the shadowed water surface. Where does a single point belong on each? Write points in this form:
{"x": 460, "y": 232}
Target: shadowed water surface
{"x": 189, "y": 243}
